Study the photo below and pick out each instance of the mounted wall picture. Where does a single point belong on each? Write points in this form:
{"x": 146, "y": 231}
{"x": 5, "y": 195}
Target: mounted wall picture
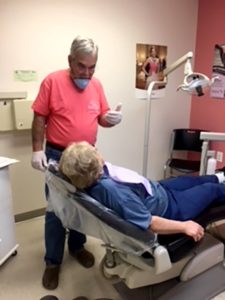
{"x": 150, "y": 63}
{"x": 218, "y": 87}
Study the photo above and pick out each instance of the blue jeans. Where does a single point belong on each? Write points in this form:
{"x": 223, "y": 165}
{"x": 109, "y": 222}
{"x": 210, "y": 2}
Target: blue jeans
{"x": 55, "y": 233}
{"x": 188, "y": 196}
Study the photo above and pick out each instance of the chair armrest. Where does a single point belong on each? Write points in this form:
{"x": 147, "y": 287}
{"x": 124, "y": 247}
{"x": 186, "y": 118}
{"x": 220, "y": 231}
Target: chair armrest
{"x": 178, "y": 245}
{"x": 162, "y": 260}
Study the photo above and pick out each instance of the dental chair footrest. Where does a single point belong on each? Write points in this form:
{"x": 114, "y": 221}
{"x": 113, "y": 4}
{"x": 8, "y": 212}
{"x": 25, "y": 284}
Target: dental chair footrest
{"x": 209, "y": 253}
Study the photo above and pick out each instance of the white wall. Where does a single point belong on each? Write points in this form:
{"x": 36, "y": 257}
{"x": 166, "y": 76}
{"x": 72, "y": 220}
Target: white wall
{"x": 37, "y": 35}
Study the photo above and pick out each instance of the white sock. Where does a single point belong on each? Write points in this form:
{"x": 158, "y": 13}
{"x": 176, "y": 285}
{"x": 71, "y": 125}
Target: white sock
{"x": 220, "y": 176}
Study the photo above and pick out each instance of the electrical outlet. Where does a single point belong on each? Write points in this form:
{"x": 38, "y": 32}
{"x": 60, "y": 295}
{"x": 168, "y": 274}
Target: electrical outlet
{"x": 219, "y": 156}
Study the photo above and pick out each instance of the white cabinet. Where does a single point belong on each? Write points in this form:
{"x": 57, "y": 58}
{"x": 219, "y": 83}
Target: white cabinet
{"x": 8, "y": 243}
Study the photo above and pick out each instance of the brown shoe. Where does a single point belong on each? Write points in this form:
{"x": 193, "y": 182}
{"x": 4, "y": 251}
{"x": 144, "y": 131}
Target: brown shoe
{"x": 84, "y": 257}
{"x": 49, "y": 297}
{"x": 80, "y": 298}
{"x": 50, "y": 279}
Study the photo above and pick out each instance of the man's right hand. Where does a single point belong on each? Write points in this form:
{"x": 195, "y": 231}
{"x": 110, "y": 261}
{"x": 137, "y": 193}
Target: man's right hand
{"x": 39, "y": 160}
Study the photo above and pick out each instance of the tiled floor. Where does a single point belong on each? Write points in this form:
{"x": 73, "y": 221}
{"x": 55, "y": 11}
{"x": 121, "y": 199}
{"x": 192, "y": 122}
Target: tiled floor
{"x": 20, "y": 276}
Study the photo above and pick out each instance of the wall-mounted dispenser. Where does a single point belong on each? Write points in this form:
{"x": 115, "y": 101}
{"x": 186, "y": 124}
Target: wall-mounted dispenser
{"x": 15, "y": 111}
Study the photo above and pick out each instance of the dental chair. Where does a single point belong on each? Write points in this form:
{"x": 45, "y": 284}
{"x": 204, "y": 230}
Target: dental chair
{"x": 140, "y": 264}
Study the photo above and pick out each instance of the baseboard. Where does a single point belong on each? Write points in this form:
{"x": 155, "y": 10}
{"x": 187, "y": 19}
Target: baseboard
{"x": 30, "y": 214}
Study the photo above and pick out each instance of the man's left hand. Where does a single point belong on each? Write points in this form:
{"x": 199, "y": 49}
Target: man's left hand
{"x": 114, "y": 117}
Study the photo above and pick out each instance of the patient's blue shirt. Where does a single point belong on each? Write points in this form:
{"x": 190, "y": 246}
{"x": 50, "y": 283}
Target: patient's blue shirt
{"x": 132, "y": 199}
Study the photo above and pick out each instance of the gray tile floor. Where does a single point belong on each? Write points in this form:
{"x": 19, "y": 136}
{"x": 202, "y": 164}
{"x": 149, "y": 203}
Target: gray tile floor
{"x": 20, "y": 276}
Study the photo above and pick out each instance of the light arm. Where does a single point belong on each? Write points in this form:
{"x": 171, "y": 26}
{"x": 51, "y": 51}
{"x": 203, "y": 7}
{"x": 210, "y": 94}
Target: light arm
{"x": 193, "y": 83}
{"x": 178, "y": 63}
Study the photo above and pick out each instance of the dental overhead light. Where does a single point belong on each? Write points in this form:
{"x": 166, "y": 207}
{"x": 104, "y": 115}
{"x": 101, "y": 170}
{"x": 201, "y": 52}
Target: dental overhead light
{"x": 193, "y": 83}
{"x": 196, "y": 84}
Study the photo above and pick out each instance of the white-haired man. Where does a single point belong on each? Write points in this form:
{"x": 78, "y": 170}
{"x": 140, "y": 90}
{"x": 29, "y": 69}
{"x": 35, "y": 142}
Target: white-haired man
{"x": 69, "y": 107}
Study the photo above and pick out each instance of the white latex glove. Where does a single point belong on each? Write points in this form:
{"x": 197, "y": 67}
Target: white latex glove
{"x": 114, "y": 116}
{"x": 39, "y": 160}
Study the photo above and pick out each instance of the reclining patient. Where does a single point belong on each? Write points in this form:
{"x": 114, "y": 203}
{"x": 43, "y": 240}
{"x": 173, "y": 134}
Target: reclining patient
{"x": 164, "y": 207}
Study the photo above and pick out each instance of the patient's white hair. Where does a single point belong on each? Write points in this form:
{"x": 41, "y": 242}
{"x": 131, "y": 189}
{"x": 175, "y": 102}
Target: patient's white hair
{"x": 81, "y": 163}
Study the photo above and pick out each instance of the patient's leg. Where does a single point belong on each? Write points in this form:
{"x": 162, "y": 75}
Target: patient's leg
{"x": 185, "y": 182}
{"x": 190, "y": 203}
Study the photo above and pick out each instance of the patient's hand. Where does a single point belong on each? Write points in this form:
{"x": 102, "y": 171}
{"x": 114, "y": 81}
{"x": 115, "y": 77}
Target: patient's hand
{"x": 194, "y": 230}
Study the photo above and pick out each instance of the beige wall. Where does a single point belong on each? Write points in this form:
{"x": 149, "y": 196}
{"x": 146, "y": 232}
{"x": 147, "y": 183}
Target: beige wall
{"x": 37, "y": 35}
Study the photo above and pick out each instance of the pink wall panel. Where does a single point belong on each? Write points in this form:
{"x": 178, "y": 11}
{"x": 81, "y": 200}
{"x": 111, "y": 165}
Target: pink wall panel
{"x": 206, "y": 112}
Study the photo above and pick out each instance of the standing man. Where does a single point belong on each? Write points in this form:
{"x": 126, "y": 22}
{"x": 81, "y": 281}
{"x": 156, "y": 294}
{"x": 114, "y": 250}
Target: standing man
{"x": 69, "y": 106}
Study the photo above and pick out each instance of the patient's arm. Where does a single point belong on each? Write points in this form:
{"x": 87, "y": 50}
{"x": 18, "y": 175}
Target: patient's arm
{"x": 165, "y": 226}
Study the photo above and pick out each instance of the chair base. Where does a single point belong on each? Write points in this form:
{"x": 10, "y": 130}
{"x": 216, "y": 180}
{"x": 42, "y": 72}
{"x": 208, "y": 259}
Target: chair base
{"x": 137, "y": 272}
{"x": 195, "y": 289}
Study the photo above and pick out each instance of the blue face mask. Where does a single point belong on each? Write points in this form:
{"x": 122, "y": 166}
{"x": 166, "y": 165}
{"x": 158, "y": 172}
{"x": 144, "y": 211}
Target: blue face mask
{"x": 81, "y": 83}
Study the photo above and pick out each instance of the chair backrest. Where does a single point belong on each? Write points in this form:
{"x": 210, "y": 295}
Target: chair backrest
{"x": 187, "y": 139}
{"x": 78, "y": 211}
